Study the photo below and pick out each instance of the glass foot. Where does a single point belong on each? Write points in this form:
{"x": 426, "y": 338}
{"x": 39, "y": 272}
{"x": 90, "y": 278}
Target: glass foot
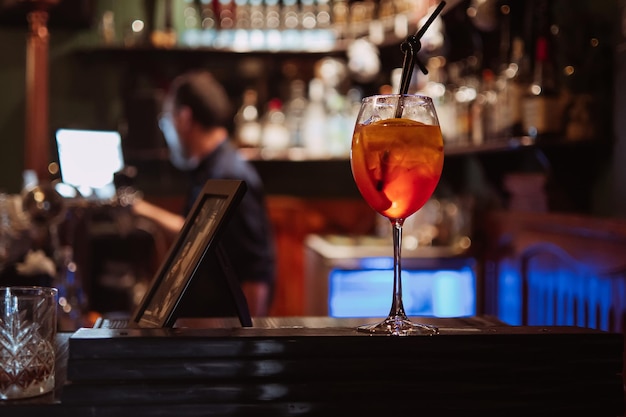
{"x": 399, "y": 326}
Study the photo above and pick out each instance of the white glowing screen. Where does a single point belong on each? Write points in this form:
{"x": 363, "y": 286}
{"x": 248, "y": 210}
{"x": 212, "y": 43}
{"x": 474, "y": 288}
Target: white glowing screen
{"x": 89, "y": 158}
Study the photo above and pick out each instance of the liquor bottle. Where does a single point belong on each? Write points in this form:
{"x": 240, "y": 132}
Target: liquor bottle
{"x": 541, "y": 114}
{"x": 272, "y": 14}
{"x": 513, "y": 84}
{"x": 465, "y": 93}
{"x": 257, "y": 14}
{"x": 323, "y": 13}
{"x": 289, "y": 18}
{"x": 226, "y": 14}
{"x": 208, "y": 24}
{"x": 191, "y": 34}
{"x": 306, "y": 17}
{"x": 242, "y": 14}
{"x": 325, "y": 36}
{"x": 340, "y": 16}
{"x": 107, "y": 28}
{"x": 540, "y": 105}
{"x": 490, "y": 103}
{"x": 290, "y": 24}
{"x": 294, "y": 111}
{"x": 273, "y": 35}
{"x": 338, "y": 137}
{"x": 166, "y": 37}
{"x": 314, "y": 121}
{"x": 307, "y": 14}
{"x": 247, "y": 125}
{"x": 358, "y": 22}
{"x": 386, "y": 13}
{"x": 256, "y": 35}
{"x": 274, "y": 134}
{"x": 443, "y": 98}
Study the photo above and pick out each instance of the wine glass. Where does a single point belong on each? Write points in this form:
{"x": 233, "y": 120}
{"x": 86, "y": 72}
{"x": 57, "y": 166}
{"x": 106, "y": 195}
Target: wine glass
{"x": 397, "y": 159}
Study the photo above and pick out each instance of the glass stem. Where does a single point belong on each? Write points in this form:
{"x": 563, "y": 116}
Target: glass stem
{"x": 397, "y": 308}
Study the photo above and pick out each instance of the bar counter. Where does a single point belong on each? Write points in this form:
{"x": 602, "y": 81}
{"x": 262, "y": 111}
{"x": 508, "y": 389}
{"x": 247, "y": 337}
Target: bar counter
{"x": 322, "y": 366}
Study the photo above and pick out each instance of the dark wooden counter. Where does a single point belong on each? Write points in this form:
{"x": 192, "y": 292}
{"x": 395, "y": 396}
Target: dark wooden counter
{"x": 322, "y": 366}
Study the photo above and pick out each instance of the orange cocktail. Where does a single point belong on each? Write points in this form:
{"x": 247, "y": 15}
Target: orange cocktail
{"x": 396, "y": 164}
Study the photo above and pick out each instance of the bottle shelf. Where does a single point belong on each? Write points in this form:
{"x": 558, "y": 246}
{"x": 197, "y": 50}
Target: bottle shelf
{"x": 512, "y": 144}
{"x": 296, "y": 155}
{"x": 503, "y": 145}
{"x": 519, "y": 143}
{"x": 245, "y": 33}
{"x": 142, "y": 52}
{"x": 237, "y": 43}
{"x": 323, "y": 40}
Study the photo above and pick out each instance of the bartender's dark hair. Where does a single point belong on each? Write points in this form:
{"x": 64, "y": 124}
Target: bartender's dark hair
{"x": 205, "y": 96}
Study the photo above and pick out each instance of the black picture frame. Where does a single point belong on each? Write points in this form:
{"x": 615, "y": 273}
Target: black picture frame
{"x": 199, "y": 236}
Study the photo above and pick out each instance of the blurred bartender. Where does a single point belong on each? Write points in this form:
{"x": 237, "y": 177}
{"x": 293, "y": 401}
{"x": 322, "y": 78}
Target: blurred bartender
{"x": 196, "y": 113}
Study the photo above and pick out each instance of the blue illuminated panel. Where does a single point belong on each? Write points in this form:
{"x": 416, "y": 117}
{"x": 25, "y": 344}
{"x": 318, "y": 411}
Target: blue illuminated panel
{"x": 368, "y": 292}
{"x": 559, "y": 294}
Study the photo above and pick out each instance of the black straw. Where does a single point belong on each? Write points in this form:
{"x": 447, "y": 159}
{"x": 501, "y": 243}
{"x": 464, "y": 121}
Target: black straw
{"x": 411, "y": 46}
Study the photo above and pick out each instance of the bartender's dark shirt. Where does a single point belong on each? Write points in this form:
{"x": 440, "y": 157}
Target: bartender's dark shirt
{"x": 247, "y": 238}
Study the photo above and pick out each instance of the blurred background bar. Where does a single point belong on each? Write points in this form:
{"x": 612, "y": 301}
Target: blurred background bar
{"x": 528, "y": 223}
